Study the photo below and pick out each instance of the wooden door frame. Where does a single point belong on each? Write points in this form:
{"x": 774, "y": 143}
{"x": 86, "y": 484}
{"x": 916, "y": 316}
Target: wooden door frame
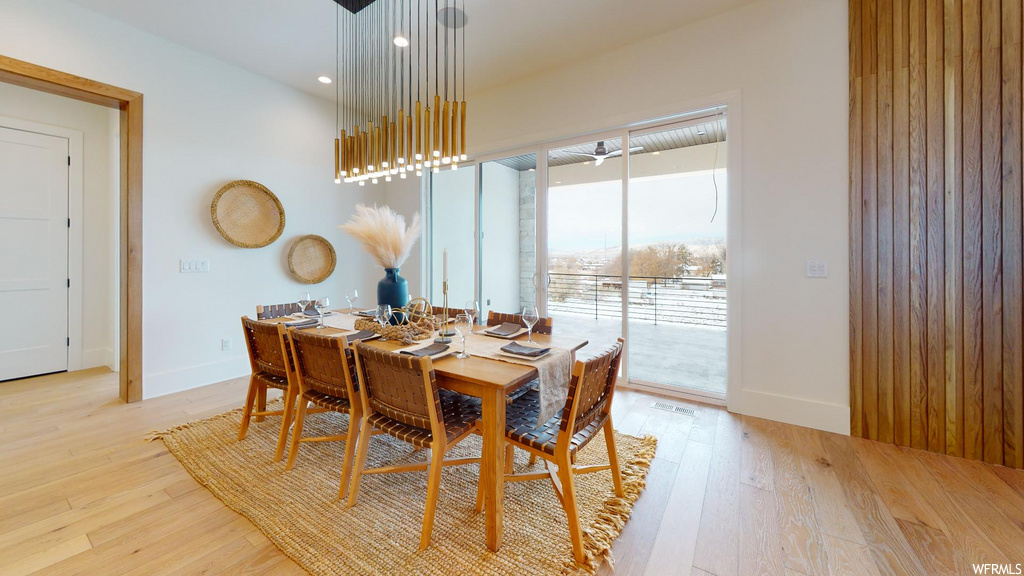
{"x": 29, "y": 75}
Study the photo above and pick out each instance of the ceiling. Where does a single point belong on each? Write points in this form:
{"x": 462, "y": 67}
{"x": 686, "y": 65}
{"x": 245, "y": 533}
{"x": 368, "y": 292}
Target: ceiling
{"x": 292, "y": 41}
{"x": 692, "y": 135}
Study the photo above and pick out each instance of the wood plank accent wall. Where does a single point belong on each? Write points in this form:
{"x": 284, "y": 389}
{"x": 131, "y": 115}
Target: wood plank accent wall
{"x": 936, "y": 235}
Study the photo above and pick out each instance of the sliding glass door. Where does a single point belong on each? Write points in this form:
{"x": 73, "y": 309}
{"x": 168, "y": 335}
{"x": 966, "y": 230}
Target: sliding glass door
{"x": 677, "y": 248}
{"x": 584, "y": 241}
{"x": 609, "y": 241}
{"x": 484, "y": 215}
{"x": 508, "y": 234}
{"x": 453, "y": 209}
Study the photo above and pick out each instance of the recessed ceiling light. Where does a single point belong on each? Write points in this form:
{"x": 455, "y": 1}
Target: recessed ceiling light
{"x": 531, "y": 169}
{"x": 453, "y": 18}
{"x": 656, "y": 153}
{"x": 401, "y": 41}
{"x": 558, "y": 182}
{"x": 701, "y": 132}
{"x": 324, "y": 80}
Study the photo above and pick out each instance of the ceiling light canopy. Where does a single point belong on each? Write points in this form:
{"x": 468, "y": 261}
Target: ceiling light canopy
{"x": 401, "y": 87}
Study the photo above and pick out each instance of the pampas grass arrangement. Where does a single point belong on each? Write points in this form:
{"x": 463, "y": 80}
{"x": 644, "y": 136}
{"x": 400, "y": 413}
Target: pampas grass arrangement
{"x": 383, "y": 233}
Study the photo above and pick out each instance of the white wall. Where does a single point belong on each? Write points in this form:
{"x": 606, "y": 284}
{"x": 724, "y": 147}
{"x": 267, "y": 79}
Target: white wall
{"x": 788, "y": 59}
{"x": 206, "y": 123}
{"x": 99, "y": 202}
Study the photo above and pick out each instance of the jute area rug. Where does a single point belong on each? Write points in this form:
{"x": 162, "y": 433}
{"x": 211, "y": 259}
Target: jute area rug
{"x": 300, "y": 512}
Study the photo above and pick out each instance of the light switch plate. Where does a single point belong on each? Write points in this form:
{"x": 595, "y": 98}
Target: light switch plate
{"x": 817, "y": 269}
{"x": 186, "y": 266}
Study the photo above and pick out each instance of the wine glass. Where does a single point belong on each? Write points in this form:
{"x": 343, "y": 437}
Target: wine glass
{"x": 530, "y": 317}
{"x": 463, "y": 325}
{"x": 303, "y": 302}
{"x": 352, "y": 295}
{"x": 472, "y": 309}
{"x": 321, "y": 305}
{"x": 383, "y": 317}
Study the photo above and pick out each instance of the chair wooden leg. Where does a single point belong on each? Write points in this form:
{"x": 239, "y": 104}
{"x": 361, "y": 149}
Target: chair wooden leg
{"x": 533, "y": 458}
{"x": 247, "y": 413}
{"x": 433, "y": 488}
{"x": 613, "y": 456}
{"x": 261, "y": 402}
{"x": 351, "y": 443}
{"x": 286, "y": 421}
{"x": 300, "y": 419}
{"x": 565, "y": 476}
{"x": 509, "y": 457}
{"x": 357, "y": 467}
{"x": 480, "y": 493}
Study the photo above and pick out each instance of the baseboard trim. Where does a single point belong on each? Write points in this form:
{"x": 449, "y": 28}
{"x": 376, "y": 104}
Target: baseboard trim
{"x": 797, "y": 411}
{"x": 163, "y": 383}
{"x": 96, "y": 357}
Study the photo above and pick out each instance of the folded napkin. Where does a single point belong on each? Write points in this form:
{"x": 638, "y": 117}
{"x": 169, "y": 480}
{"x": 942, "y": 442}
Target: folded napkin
{"x": 427, "y": 350}
{"x": 302, "y": 323}
{"x": 314, "y": 314}
{"x": 520, "y": 350}
{"x": 366, "y": 313}
{"x": 361, "y": 335}
{"x": 506, "y": 329}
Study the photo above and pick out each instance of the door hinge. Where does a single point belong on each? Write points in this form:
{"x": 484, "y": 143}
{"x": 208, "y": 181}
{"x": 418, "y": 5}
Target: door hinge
{"x": 69, "y": 160}
{"x": 69, "y": 222}
{"x": 69, "y": 341}
{"x": 69, "y": 282}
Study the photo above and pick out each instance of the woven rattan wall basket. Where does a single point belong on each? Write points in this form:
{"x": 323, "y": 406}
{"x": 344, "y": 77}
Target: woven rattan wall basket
{"x": 311, "y": 259}
{"x": 247, "y": 214}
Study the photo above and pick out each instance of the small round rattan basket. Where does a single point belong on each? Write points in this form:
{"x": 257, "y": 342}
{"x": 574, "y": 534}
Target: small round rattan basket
{"x": 247, "y": 214}
{"x": 311, "y": 259}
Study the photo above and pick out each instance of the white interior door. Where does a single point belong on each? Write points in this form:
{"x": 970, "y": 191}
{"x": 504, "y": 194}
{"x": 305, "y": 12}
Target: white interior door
{"x": 33, "y": 253}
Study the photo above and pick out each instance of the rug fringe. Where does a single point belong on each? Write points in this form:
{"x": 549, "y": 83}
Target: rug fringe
{"x": 598, "y": 539}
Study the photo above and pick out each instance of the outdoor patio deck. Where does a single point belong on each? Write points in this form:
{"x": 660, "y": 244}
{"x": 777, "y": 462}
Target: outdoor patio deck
{"x": 666, "y": 353}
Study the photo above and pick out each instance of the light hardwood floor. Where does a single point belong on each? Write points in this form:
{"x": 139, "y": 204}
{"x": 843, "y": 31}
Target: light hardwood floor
{"x": 82, "y": 492}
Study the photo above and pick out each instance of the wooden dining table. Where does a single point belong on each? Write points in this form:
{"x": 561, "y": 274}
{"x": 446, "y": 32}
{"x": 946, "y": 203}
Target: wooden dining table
{"x": 490, "y": 380}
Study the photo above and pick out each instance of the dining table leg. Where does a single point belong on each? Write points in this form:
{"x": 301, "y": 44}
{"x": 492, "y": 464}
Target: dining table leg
{"x": 493, "y": 464}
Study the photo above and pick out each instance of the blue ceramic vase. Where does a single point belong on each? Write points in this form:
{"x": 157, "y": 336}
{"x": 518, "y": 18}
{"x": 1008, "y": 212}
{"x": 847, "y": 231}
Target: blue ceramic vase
{"x": 393, "y": 289}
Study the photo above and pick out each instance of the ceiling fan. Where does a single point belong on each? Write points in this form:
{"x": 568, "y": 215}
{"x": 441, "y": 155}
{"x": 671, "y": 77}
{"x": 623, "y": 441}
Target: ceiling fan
{"x": 601, "y": 153}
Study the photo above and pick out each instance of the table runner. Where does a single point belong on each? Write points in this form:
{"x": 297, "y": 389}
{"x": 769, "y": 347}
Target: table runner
{"x": 554, "y": 369}
{"x": 341, "y": 321}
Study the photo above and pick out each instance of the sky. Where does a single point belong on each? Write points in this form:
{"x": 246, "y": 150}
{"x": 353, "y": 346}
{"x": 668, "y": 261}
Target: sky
{"x": 672, "y": 208}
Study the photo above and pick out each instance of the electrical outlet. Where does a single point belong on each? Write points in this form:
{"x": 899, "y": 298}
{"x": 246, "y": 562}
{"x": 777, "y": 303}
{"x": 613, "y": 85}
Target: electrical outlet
{"x": 226, "y": 344}
{"x": 817, "y": 269}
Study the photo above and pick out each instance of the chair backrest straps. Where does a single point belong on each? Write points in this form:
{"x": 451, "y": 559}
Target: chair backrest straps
{"x": 323, "y": 364}
{"x": 268, "y": 350}
{"x": 543, "y": 326}
{"x": 400, "y": 387}
{"x": 591, "y": 389}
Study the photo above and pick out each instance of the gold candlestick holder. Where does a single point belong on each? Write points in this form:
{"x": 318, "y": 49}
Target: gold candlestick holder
{"x": 444, "y": 333}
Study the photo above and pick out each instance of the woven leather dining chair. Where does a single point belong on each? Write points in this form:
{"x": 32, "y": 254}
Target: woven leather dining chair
{"x": 270, "y": 311}
{"x": 400, "y": 397}
{"x": 587, "y": 411}
{"x": 325, "y": 373}
{"x": 272, "y": 366}
{"x": 543, "y": 325}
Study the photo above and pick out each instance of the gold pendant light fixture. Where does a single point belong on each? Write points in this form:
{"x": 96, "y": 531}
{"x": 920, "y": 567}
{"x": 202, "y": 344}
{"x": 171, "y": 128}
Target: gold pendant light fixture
{"x": 399, "y": 65}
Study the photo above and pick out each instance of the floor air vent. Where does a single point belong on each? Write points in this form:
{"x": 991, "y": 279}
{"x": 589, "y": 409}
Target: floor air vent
{"x": 671, "y": 408}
